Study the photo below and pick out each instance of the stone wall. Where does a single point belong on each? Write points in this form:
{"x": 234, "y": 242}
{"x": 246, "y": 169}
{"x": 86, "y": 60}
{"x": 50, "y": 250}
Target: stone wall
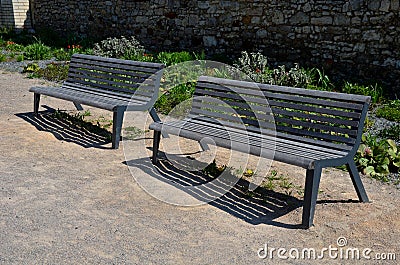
{"x": 14, "y": 14}
{"x": 356, "y": 38}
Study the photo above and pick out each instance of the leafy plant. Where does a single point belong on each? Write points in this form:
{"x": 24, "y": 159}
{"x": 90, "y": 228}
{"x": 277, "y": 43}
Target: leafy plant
{"x": 31, "y": 68}
{"x": 172, "y": 58}
{"x": 174, "y": 96}
{"x": 248, "y": 173}
{"x": 20, "y": 57}
{"x": 377, "y": 158}
{"x": 78, "y": 119}
{"x": 393, "y": 132}
{"x": 369, "y": 123}
{"x": 54, "y": 72}
{"x": 214, "y": 170}
{"x": 61, "y": 55}
{"x": 3, "y": 57}
{"x": 320, "y": 80}
{"x": 119, "y": 48}
{"x": 255, "y": 66}
{"x": 14, "y": 47}
{"x": 390, "y": 111}
{"x": 374, "y": 91}
{"x": 269, "y": 185}
{"x": 295, "y": 76}
{"x": 37, "y": 51}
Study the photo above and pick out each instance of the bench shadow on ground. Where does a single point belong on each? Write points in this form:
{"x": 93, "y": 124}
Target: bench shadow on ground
{"x": 262, "y": 206}
{"x": 70, "y": 130}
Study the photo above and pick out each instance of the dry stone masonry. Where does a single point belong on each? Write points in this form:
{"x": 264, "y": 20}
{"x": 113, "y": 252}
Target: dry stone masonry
{"x": 358, "y": 38}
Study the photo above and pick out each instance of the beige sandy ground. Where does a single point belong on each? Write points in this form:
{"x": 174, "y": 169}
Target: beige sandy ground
{"x": 67, "y": 198}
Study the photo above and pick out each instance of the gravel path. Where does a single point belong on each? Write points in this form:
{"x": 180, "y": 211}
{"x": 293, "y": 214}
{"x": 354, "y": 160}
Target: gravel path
{"x": 66, "y": 198}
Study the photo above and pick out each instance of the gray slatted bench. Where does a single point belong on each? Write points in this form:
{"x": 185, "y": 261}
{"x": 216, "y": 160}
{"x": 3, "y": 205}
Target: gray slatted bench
{"x": 310, "y": 129}
{"x": 107, "y": 83}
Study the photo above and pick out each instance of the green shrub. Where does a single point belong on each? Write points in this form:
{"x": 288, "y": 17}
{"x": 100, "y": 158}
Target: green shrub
{"x": 61, "y": 55}
{"x": 320, "y": 80}
{"x": 20, "y": 57}
{"x": 54, "y": 72}
{"x": 31, "y": 68}
{"x": 172, "y": 58}
{"x": 174, "y": 96}
{"x": 14, "y": 47}
{"x": 377, "y": 158}
{"x": 255, "y": 66}
{"x": 119, "y": 48}
{"x": 3, "y": 57}
{"x": 390, "y": 111}
{"x": 374, "y": 91}
{"x": 294, "y": 77}
{"x": 37, "y": 51}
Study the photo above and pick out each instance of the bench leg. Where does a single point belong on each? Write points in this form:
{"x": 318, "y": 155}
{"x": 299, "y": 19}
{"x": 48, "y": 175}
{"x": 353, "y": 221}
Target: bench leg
{"x": 78, "y": 106}
{"x": 313, "y": 177}
{"x": 36, "y": 101}
{"x": 117, "y": 125}
{"x": 156, "y": 118}
{"x": 156, "y": 146}
{"x": 355, "y": 178}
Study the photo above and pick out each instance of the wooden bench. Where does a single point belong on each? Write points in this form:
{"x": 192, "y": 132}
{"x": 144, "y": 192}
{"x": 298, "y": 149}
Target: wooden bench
{"x": 307, "y": 128}
{"x": 107, "y": 83}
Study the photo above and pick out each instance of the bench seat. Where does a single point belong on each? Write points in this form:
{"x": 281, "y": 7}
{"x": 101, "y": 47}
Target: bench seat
{"x": 285, "y": 150}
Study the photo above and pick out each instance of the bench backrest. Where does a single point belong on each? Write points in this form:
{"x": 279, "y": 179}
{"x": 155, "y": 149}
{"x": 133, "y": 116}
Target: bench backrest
{"x": 115, "y": 76}
{"x": 328, "y": 119}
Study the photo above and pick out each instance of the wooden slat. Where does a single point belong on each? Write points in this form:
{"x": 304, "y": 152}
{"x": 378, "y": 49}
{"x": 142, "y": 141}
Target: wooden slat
{"x": 318, "y": 135}
{"x": 76, "y": 77}
{"x": 280, "y": 96}
{"x": 104, "y": 93}
{"x": 255, "y": 140}
{"x": 282, "y": 89}
{"x": 234, "y": 119}
{"x": 248, "y": 112}
{"x": 123, "y": 87}
{"x": 104, "y": 87}
{"x": 91, "y": 99}
{"x": 314, "y": 125}
{"x": 121, "y": 65}
{"x": 250, "y": 91}
{"x": 327, "y": 119}
{"x": 317, "y": 109}
{"x": 272, "y": 132}
{"x": 96, "y": 68}
{"x": 235, "y": 104}
{"x": 118, "y": 61}
{"x": 226, "y": 96}
{"x": 110, "y": 74}
{"x": 313, "y": 141}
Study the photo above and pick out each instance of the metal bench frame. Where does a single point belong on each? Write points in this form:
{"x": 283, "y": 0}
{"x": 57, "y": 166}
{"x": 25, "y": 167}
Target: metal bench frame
{"x": 312, "y": 129}
{"x": 108, "y": 83}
